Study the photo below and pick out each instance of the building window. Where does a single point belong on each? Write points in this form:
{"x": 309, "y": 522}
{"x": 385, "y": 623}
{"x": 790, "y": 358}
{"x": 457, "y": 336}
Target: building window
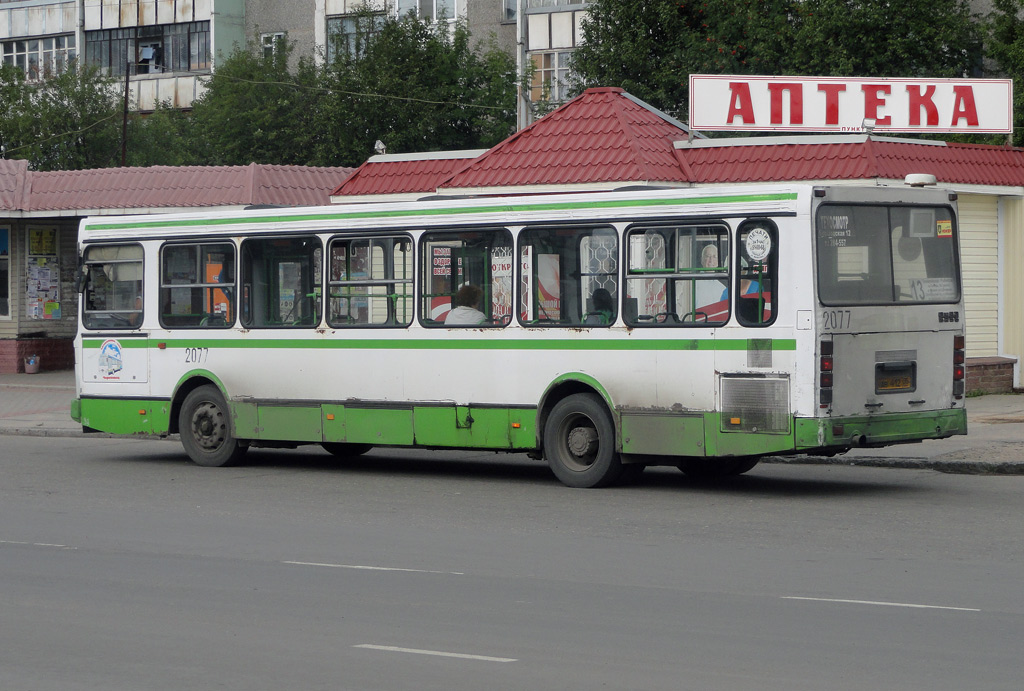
{"x": 5, "y": 272}
{"x": 348, "y": 34}
{"x": 433, "y": 10}
{"x": 150, "y": 49}
{"x": 550, "y": 76}
{"x": 38, "y": 57}
{"x": 272, "y": 43}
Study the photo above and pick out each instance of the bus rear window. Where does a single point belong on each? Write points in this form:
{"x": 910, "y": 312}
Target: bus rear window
{"x": 882, "y": 255}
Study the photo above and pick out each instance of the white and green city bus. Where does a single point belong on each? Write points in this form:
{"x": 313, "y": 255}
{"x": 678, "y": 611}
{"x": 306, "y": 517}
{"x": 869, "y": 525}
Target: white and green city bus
{"x": 701, "y": 328}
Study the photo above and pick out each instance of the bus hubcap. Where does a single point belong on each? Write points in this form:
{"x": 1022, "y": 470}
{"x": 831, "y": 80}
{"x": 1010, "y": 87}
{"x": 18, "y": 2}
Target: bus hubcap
{"x": 582, "y": 441}
{"x": 205, "y": 427}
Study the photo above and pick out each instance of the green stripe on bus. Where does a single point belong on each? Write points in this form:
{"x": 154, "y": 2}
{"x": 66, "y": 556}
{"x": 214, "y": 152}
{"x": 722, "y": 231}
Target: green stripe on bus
{"x": 445, "y": 344}
{"x": 443, "y": 211}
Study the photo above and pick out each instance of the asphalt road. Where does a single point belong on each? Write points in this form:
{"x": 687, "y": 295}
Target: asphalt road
{"x": 122, "y": 566}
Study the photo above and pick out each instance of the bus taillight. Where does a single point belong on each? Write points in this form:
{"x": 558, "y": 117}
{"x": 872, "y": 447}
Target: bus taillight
{"x": 825, "y": 365}
{"x": 959, "y": 368}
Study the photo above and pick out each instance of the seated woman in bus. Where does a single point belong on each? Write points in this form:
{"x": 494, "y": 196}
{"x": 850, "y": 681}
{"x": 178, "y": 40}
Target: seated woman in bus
{"x": 467, "y": 300}
{"x": 603, "y": 308}
{"x": 710, "y": 290}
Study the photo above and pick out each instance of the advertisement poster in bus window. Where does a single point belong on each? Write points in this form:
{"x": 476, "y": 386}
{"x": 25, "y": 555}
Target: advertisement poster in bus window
{"x": 526, "y": 284}
{"x": 549, "y": 287}
{"x": 440, "y": 264}
{"x": 501, "y": 282}
{"x": 217, "y": 298}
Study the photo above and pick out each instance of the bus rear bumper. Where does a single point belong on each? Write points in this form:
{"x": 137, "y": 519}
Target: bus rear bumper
{"x": 878, "y": 430}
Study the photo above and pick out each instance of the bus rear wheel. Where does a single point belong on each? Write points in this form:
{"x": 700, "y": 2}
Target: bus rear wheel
{"x": 345, "y": 450}
{"x": 205, "y": 429}
{"x": 579, "y": 442}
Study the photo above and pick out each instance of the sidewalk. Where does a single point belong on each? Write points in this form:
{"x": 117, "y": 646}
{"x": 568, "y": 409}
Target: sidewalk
{"x": 39, "y": 405}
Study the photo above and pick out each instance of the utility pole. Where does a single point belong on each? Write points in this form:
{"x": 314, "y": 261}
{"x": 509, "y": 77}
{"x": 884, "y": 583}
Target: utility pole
{"x": 124, "y": 115}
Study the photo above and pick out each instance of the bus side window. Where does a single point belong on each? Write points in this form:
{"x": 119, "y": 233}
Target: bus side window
{"x": 370, "y": 282}
{"x": 197, "y": 285}
{"x": 756, "y": 272}
{"x": 677, "y": 275}
{"x": 569, "y": 276}
{"x": 113, "y": 287}
{"x": 283, "y": 282}
{"x": 466, "y": 278}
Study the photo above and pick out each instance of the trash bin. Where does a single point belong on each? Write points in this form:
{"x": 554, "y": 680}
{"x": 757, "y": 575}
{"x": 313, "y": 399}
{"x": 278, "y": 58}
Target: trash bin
{"x": 31, "y": 364}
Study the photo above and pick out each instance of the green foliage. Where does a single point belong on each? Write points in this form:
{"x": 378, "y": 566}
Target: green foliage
{"x": 1006, "y": 49}
{"x": 66, "y": 121}
{"x": 256, "y": 110}
{"x": 165, "y": 137}
{"x": 415, "y": 87}
{"x": 649, "y": 49}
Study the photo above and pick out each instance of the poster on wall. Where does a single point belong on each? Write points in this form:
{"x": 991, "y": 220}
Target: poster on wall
{"x": 42, "y": 274}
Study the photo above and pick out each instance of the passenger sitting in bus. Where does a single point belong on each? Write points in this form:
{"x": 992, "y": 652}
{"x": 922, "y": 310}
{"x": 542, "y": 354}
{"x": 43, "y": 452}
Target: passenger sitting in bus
{"x": 603, "y": 308}
{"x": 710, "y": 291}
{"x": 467, "y": 300}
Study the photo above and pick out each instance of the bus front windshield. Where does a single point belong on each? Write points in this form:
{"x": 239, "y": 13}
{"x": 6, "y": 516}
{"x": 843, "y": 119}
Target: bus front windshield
{"x": 881, "y": 255}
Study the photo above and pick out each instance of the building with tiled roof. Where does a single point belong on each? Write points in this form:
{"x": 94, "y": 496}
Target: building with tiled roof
{"x": 606, "y": 139}
{"x": 396, "y": 177}
{"x": 48, "y": 206}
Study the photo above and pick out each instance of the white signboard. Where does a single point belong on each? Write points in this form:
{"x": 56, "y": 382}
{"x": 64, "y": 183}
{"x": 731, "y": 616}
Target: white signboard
{"x": 850, "y": 104}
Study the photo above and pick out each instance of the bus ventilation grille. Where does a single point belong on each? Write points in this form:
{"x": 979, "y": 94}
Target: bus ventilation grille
{"x": 755, "y": 405}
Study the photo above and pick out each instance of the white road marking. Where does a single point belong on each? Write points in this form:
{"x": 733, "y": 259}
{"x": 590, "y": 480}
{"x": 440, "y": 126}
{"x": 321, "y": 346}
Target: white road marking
{"x": 373, "y": 568}
{"x": 438, "y": 653}
{"x": 883, "y": 604}
{"x": 34, "y": 544}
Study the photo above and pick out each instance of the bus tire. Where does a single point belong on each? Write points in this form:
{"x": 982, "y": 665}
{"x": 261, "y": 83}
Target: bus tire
{"x": 345, "y": 450}
{"x": 205, "y": 429}
{"x": 579, "y": 442}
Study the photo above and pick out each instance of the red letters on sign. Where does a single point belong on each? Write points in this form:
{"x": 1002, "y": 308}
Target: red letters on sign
{"x": 963, "y": 106}
{"x": 740, "y": 103}
{"x": 873, "y": 101}
{"x": 919, "y": 101}
{"x": 832, "y": 92}
{"x": 796, "y": 102}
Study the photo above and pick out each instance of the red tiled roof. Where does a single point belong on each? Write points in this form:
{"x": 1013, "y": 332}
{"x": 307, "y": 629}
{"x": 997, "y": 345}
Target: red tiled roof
{"x": 603, "y": 135}
{"x": 404, "y": 174}
{"x": 186, "y": 186}
{"x": 863, "y": 158}
{"x": 13, "y": 176}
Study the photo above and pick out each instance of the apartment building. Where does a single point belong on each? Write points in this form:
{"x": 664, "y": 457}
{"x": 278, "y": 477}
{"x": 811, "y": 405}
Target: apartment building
{"x": 164, "y": 48}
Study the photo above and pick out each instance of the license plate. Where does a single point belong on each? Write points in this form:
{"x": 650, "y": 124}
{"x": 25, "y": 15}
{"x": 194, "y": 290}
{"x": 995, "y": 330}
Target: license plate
{"x": 891, "y": 378}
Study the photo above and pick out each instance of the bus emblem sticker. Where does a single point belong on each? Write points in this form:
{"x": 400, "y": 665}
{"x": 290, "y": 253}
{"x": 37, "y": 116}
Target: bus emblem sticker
{"x": 758, "y": 244}
{"x": 111, "y": 361}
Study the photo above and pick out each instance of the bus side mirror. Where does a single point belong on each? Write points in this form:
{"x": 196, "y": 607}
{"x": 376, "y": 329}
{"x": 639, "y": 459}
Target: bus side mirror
{"x": 83, "y": 274}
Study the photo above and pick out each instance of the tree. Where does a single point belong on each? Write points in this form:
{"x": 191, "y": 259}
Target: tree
{"x": 1006, "y": 48}
{"x": 164, "y": 137}
{"x": 66, "y": 121}
{"x": 651, "y": 49}
{"x": 415, "y": 86}
{"x": 255, "y": 110}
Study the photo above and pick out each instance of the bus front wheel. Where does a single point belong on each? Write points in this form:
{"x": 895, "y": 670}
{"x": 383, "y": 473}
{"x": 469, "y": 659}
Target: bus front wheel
{"x": 206, "y": 430}
{"x": 579, "y": 442}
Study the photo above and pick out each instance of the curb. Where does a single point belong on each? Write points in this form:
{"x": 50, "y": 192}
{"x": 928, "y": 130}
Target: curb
{"x": 44, "y": 432}
{"x": 953, "y": 467}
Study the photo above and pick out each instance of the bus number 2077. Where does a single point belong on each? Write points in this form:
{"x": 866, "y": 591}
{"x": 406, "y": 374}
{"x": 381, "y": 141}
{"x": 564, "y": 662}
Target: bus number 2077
{"x": 196, "y": 355}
